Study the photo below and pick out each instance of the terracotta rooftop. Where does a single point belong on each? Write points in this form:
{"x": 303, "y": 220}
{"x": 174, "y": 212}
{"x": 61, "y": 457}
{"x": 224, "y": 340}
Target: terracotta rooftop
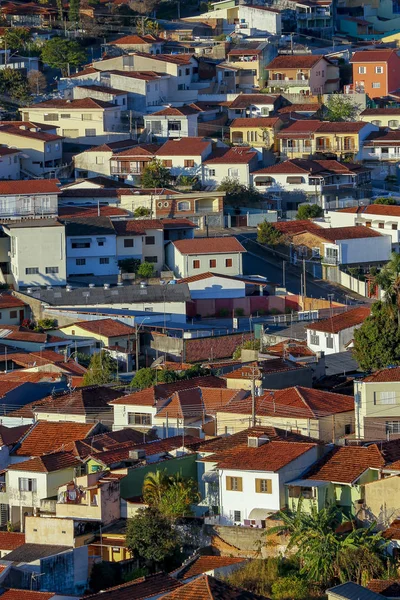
{"x": 388, "y": 375}
{"x": 136, "y": 226}
{"x": 136, "y": 40}
{"x": 389, "y": 110}
{"x": 84, "y": 211}
{"x": 293, "y": 227}
{"x": 334, "y": 234}
{"x": 82, "y": 103}
{"x": 236, "y": 155}
{"x": 290, "y": 347}
{"x": 307, "y": 127}
{"x": 140, "y": 589}
{"x": 299, "y": 61}
{"x": 187, "y": 146}
{"x": 47, "y": 436}
{"x": 313, "y": 106}
{"x": 11, "y": 540}
{"x": 260, "y": 368}
{"x": 386, "y": 587}
{"x": 346, "y": 464}
{"x": 292, "y": 402}
{"x": 351, "y": 318}
{"x": 203, "y": 564}
{"x": 217, "y": 245}
{"x": 393, "y": 531}
{"x": 181, "y": 111}
{"x": 255, "y": 122}
{"x": 38, "y": 134}
{"x": 374, "y": 209}
{"x": 12, "y": 594}
{"x": 18, "y": 333}
{"x": 363, "y": 56}
{"x": 105, "y": 327}
{"x": 143, "y": 150}
{"x": 47, "y": 463}
{"x": 31, "y": 186}
{"x": 89, "y": 401}
{"x": 209, "y": 588}
{"x": 197, "y": 401}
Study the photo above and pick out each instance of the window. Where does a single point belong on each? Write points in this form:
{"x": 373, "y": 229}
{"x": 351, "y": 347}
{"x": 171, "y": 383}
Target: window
{"x": 362, "y": 70}
{"x": 375, "y": 85}
{"x": 213, "y": 263}
{"x": 90, "y": 132}
{"x": 51, "y": 269}
{"x": 228, "y": 262}
{"x": 393, "y": 123}
{"x": 100, "y": 242}
{"x": 314, "y": 339}
{"x": 174, "y": 126}
{"x": 234, "y": 484}
{"x": 347, "y": 429}
{"x": 139, "y": 419}
{"x": 180, "y": 72}
{"x": 80, "y": 262}
{"x": 26, "y": 485}
{"x": 50, "y": 117}
{"x": 184, "y": 205}
{"x": 379, "y": 70}
{"x": 329, "y": 342}
{"x": 237, "y": 516}
{"x": 377, "y": 123}
{"x": 264, "y": 486}
{"x": 187, "y": 71}
{"x": 80, "y": 244}
{"x": 167, "y": 163}
{"x": 196, "y": 264}
{"x": 31, "y": 271}
{"x": 385, "y": 398}
{"x": 233, "y": 172}
{"x": 129, "y": 243}
{"x": 99, "y": 160}
{"x": 394, "y": 226}
{"x": 65, "y": 116}
{"x": 155, "y": 126}
{"x": 87, "y": 116}
{"x": 368, "y": 223}
{"x": 188, "y": 163}
{"x": 104, "y": 260}
{"x": 381, "y": 225}
{"x": 181, "y": 86}
{"x": 211, "y": 172}
{"x": 72, "y": 133}
{"x": 252, "y": 136}
{"x": 392, "y": 426}
{"x": 13, "y": 314}
{"x": 151, "y": 259}
{"x": 150, "y": 240}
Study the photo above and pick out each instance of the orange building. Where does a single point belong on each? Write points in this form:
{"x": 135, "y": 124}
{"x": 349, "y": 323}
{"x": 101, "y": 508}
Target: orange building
{"x": 376, "y": 72}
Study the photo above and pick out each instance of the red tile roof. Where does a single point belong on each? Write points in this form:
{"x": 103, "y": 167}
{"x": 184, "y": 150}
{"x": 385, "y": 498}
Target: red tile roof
{"x": 314, "y": 106}
{"x": 351, "y": 318}
{"x": 82, "y": 211}
{"x": 389, "y": 375}
{"x": 293, "y": 227}
{"x": 89, "y": 400}
{"x": 47, "y": 463}
{"x": 386, "y": 587}
{"x": 346, "y": 464}
{"x": 187, "y": 146}
{"x": 195, "y": 402}
{"x": 292, "y": 347}
{"x": 12, "y": 594}
{"x": 136, "y": 40}
{"x": 214, "y": 347}
{"x": 389, "y": 110}
{"x": 243, "y": 52}
{"x": 143, "y": 150}
{"x": 47, "y": 436}
{"x": 203, "y": 564}
{"x": 334, "y": 234}
{"x": 298, "y": 401}
{"x": 295, "y": 61}
{"x": 374, "y": 209}
{"x": 274, "y": 365}
{"x": 30, "y": 186}
{"x": 306, "y": 127}
{"x": 136, "y": 226}
{"x": 82, "y": 103}
{"x": 209, "y": 588}
{"x": 139, "y": 589}
{"x": 364, "y": 56}
{"x": 11, "y": 540}
{"x": 9, "y": 301}
{"x": 23, "y": 334}
{"x": 255, "y": 122}
{"x": 145, "y": 397}
{"x": 217, "y": 245}
{"x": 105, "y": 327}
{"x": 237, "y": 155}
{"x": 171, "y": 111}
{"x": 393, "y": 531}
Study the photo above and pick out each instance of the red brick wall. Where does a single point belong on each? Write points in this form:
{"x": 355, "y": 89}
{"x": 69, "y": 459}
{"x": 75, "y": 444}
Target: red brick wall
{"x": 213, "y": 347}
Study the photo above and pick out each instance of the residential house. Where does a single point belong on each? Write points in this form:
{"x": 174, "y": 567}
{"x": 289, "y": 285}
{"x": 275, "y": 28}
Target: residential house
{"x": 337, "y": 140}
{"x": 185, "y": 156}
{"x": 382, "y": 117}
{"x": 33, "y": 264}
{"x": 337, "y": 478}
{"x": 97, "y": 160}
{"x": 141, "y": 239}
{"x": 314, "y": 413}
{"x": 128, "y": 165}
{"x": 26, "y": 199}
{"x": 316, "y": 18}
{"x": 257, "y": 132}
{"x": 376, "y": 405}
{"x": 173, "y": 122}
{"x": 215, "y": 565}
{"x": 200, "y": 207}
{"x": 382, "y": 149}
{"x": 103, "y": 93}
{"x": 233, "y": 163}
{"x": 191, "y": 257}
{"x": 142, "y": 43}
{"x": 323, "y": 182}
{"x": 305, "y": 74}
{"x": 336, "y": 333}
{"x": 109, "y": 333}
{"x": 339, "y": 246}
{"x": 250, "y": 60}
{"x": 41, "y": 148}
{"x": 24, "y": 338}
{"x": 9, "y": 541}
{"x": 378, "y": 217}
{"x": 13, "y": 311}
{"x": 356, "y": 27}
{"x": 90, "y": 247}
{"x": 376, "y": 72}
{"x": 252, "y": 477}
{"x": 145, "y": 587}
{"x": 303, "y": 110}
{"x": 85, "y": 121}
{"x": 268, "y": 374}
{"x": 255, "y": 105}
{"x": 10, "y": 165}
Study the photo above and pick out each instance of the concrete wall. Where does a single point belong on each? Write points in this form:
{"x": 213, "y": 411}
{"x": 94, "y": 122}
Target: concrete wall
{"x": 381, "y": 503}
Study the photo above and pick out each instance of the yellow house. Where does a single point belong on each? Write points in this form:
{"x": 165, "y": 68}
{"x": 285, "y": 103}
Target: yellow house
{"x": 336, "y": 140}
{"x": 109, "y": 332}
{"x": 110, "y": 547}
{"x": 256, "y": 131}
{"x": 382, "y": 117}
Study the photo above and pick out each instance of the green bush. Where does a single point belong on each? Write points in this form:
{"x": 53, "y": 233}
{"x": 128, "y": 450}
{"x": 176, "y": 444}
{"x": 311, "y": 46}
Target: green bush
{"x": 290, "y": 588}
{"x": 223, "y": 313}
{"x": 239, "y": 312}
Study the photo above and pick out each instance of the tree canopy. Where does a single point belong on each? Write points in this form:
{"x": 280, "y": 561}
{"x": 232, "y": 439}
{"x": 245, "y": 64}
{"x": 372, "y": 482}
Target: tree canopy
{"x": 16, "y": 38}
{"x": 268, "y": 234}
{"x": 309, "y": 211}
{"x": 14, "y": 84}
{"x": 147, "y": 377}
{"x": 155, "y": 175}
{"x": 151, "y": 536}
{"x": 101, "y": 369}
{"x": 171, "y": 495}
{"x": 60, "y": 53}
{"x": 238, "y": 194}
{"x": 145, "y": 270}
{"x": 388, "y": 201}
{"x": 340, "y": 108}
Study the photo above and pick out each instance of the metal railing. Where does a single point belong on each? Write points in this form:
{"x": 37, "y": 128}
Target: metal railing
{"x": 288, "y": 82}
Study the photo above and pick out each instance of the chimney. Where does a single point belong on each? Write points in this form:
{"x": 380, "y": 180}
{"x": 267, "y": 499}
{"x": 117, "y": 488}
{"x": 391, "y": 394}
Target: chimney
{"x": 257, "y": 441}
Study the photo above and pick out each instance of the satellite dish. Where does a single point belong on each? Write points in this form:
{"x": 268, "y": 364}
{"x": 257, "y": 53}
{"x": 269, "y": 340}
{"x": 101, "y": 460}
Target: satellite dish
{"x": 158, "y": 361}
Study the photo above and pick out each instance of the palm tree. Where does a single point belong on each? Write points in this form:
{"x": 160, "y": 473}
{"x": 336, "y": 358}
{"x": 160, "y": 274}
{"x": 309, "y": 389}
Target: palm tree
{"x": 389, "y": 280}
{"x": 154, "y": 486}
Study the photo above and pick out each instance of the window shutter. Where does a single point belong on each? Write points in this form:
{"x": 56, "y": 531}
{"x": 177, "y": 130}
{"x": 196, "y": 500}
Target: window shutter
{"x": 258, "y": 486}
{"x": 239, "y": 484}
{"x": 269, "y": 486}
{"x": 229, "y": 483}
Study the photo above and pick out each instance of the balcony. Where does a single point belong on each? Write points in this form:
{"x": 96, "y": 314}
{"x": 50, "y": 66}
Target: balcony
{"x": 120, "y": 170}
{"x": 288, "y": 82}
{"x": 330, "y": 260}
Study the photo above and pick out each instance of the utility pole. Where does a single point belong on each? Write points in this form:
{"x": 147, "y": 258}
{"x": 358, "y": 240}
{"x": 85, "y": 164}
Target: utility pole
{"x": 304, "y": 278}
{"x": 283, "y": 273}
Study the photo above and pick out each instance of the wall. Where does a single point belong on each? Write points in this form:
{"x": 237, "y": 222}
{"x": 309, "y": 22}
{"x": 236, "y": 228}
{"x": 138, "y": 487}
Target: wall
{"x": 366, "y": 395}
{"x": 92, "y": 256}
{"x": 66, "y": 573}
{"x": 121, "y": 415}
{"x": 35, "y": 151}
{"x": 94, "y": 163}
{"x": 10, "y": 166}
{"x": 214, "y": 173}
{"x": 49, "y": 530}
{"x": 183, "y": 264}
{"x": 364, "y": 250}
{"x": 381, "y": 501}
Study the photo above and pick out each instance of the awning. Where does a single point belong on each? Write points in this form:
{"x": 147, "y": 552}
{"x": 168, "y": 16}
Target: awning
{"x": 307, "y": 483}
{"x": 260, "y": 514}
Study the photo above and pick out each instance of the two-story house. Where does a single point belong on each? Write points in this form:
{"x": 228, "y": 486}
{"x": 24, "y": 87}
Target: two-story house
{"x": 333, "y": 335}
{"x": 257, "y": 132}
{"x": 97, "y": 160}
{"x": 108, "y": 333}
{"x": 306, "y": 74}
{"x": 10, "y": 163}
{"x": 185, "y": 156}
{"x": 128, "y": 164}
{"x": 142, "y": 239}
{"x": 40, "y": 147}
{"x": 173, "y": 122}
{"x": 85, "y": 121}
{"x": 382, "y": 117}
{"x": 192, "y": 257}
{"x": 255, "y": 105}
{"x": 382, "y": 149}
{"x": 24, "y": 199}
{"x": 91, "y": 247}
{"x": 303, "y": 139}
{"x": 232, "y": 163}
{"x": 250, "y": 64}
{"x": 376, "y": 72}
{"x": 141, "y": 43}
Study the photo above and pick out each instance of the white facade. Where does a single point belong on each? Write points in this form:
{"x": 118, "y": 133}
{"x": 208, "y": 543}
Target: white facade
{"x": 91, "y": 164}
{"x": 254, "y": 20}
{"x": 142, "y": 93}
{"x": 92, "y": 255}
{"x": 164, "y": 127}
{"x": 217, "y": 287}
{"x": 147, "y": 248}
{"x": 10, "y": 167}
{"x": 186, "y": 265}
{"x": 23, "y": 205}
{"x": 37, "y": 253}
{"x": 214, "y": 173}
{"x": 384, "y": 224}
{"x": 39, "y": 154}
{"x": 136, "y": 416}
{"x": 361, "y": 250}
{"x": 330, "y": 343}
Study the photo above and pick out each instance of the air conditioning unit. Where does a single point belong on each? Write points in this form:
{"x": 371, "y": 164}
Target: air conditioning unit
{"x": 137, "y": 454}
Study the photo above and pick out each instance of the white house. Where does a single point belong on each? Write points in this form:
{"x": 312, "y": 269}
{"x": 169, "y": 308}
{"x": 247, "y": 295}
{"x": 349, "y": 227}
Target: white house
{"x": 173, "y": 122}
{"x": 97, "y": 160}
{"x": 10, "y": 165}
{"x": 142, "y": 239}
{"x": 233, "y": 163}
{"x": 256, "y": 20}
{"x": 382, "y": 148}
{"x": 254, "y": 105}
{"x": 335, "y": 334}
{"x": 37, "y": 252}
{"x": 91, "y": 247}
{"x": 29, "y": 198}
{"x": 251, "y": 479}
{"x": 214, "y": 285}
{"x": 200, "y": 255}
{"x": 185, "y": 156}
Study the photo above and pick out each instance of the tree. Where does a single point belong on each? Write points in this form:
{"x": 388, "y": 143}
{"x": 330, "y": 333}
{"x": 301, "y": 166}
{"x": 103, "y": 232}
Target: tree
{"x": 151, "y": 537}
{"x": 73, "y": 13}
{"x": 101, "y": 369}
{"x": 248, "y": 345}
{"x": 141, "y": 211}
{"x": 146, "y": 26}
{"x": 144, "y": 378}
{"x": 155, "y": 175}
{"x": 268, "y": 234}
{"x": 172, "y": 496}
{"x": 14, "y": 84}
{"x": 154, "y": 486}
{"x": 290, "y": 588}
{"x": 341, "y": 108}
{"x": 385, "y": 200}
{"x": 37, "y": 82}
{"x": 377, "y": 341}
{"x": 16, "y": 39}
{"x": 309, "y": 211}
{"x": 143, "y": 7}
{"x": 238, "y": 194}
{"x": 61, "y": 54}
{"x": 145, "y": 270}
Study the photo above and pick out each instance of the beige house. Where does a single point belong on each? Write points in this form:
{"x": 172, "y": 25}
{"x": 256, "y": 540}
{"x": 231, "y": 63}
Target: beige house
{"x": 97, "y": 160}
{"x": 109, "y": 333}
{"x": 382, "y": 117}
{"x": 377, "y": 405}
{"x": 84, "y": 121}
{"x": 141, "y": 43}
{"x": 306, "y": 74}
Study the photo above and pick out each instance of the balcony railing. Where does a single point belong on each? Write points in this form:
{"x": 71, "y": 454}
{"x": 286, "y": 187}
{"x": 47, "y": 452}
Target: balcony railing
{"x": 330, "y": 260}
{"x": 288, "y": 82}
{"x": 125, "y": 171}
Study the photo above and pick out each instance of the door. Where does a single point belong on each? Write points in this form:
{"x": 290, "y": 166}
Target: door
{"x": 21, "y": 315}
